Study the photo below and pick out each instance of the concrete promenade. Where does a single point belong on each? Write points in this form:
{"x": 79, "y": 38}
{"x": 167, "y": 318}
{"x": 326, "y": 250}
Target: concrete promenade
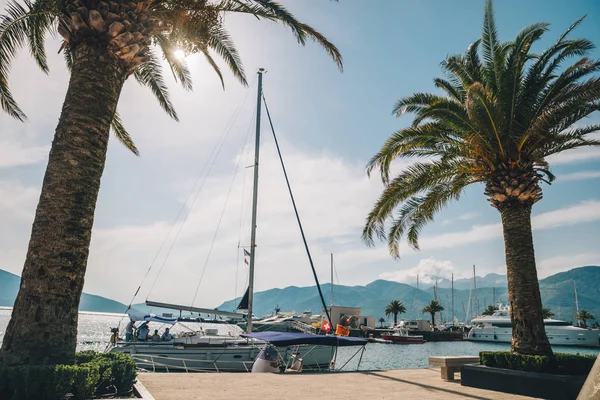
{"x": 395, "y": 384}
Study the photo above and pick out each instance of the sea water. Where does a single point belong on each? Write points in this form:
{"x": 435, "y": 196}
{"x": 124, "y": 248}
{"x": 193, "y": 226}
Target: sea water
{"x": 94, "y": 334}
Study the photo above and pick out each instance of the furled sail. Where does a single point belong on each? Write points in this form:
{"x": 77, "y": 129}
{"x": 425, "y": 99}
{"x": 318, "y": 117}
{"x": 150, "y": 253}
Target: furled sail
{"x": 244, "y": 302}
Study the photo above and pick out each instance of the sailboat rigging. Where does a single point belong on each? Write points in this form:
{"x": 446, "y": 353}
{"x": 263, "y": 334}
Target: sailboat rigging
{"x": 197, "y": 348}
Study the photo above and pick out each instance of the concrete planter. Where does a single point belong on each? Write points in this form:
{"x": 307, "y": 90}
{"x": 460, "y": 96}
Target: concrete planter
{"x": 534, "y": 384}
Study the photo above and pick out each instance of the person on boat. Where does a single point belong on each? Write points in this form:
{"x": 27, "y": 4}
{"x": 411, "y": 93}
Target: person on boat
{"x": 129, "y": 330}
{"x": 166, "y": 336}
{"x": 143, "y": 331}
{"x": 156, "y": 336}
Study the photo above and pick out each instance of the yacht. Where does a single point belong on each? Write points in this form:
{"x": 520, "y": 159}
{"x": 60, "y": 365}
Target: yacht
{"x": 498, "y": 328}
{"x": 211, "y": 347}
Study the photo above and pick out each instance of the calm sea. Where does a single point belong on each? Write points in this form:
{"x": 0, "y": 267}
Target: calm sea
{"x": 94, "y": 333}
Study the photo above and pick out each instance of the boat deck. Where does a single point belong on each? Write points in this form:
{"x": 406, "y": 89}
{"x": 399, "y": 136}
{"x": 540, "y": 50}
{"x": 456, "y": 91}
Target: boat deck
{"x": 394, "y": 384}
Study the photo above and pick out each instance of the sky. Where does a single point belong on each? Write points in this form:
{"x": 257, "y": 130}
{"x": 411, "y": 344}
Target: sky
{"x": 157, "y": 215}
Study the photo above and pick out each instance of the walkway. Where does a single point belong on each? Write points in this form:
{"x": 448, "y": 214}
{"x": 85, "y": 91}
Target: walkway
{"x": 397, "y": 384}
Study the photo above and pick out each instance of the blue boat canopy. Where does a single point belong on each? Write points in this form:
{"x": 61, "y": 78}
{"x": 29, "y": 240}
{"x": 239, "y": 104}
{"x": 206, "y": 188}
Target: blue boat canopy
{"x": 292, "y": 338}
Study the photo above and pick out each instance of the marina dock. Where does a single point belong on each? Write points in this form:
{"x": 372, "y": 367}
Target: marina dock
{"x": 394, "y": 384}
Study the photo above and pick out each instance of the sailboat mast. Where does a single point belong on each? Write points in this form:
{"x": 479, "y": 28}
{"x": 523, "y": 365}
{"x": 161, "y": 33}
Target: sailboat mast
{"x": 452, "y": 298}
{"x": 475, "y": 292}
{"x": 331, "y": 279}
{"x": 254, "y": 204}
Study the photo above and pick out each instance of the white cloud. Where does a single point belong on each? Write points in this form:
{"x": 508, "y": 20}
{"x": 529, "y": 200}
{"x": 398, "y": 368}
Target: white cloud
{"x": 13, "y": 154}
{"x": 577, "y": 155}
{"x": 587, "y": 211}
{"x": 17, "y": 202}
{"x": 578, "y": 176}
{"x": 428, "y": 270}
{"x": 551, "y": 266}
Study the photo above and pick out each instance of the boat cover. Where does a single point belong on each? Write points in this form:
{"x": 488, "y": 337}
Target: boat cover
{"x": 292, "y": 338}
{"x": 138, "y": 316}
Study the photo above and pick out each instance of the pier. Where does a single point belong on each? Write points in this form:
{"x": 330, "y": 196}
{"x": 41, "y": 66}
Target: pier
{"x": 394, "y": 384}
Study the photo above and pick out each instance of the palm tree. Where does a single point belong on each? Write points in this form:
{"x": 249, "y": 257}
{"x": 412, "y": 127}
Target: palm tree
{"x": 381, "y": 322}
{"x": 584, "y": 316}
{"x": 105, "y": 42}
{"x": 547, "y": 313}
{"x": 500, "y": 116}
{"x": 490, "y": 310}
{"x": 395, "y": 307}
{"x": 433, "y": 308}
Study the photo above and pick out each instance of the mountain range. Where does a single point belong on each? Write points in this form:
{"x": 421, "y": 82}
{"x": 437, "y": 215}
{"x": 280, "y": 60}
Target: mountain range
{"x": 9, "y": 287}
{"x": 557, "y": 294}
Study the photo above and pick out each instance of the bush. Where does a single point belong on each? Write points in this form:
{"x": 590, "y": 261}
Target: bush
{"x": 561, "y": 363}
{"x": 93, "y": 375}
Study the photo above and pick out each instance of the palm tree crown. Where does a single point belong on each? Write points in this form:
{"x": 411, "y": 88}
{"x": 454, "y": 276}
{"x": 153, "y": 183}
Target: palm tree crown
{"x": 490, "y": 310}
{"x": 547, "y": 313}
{"x": 501, "y": 114}
{"x": 584, "y": 316}
{"x": 394, "y": 308}
{"x": 433, "y": 308}
{"x": 135, "y": 33}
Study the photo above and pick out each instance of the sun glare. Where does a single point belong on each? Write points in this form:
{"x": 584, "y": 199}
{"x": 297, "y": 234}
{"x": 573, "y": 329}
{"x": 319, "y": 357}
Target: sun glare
{"x": 180, "y": 54}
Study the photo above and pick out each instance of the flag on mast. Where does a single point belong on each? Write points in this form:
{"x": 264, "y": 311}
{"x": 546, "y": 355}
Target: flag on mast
{"x": 246, "y": 253}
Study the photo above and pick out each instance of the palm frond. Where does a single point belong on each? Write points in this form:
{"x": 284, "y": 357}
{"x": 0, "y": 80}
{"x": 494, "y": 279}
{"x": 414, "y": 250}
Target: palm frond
{"x": 178, "y": 67}
{"x": 221, "y": 42}
{"x": 13, "y": 34}
{"x": 490, "y": 45}
{"x": 149, "y": 74}
{"x": 274, "y": 11}
{"x": 214, "y": 65}
{"x": 122, "y": 135}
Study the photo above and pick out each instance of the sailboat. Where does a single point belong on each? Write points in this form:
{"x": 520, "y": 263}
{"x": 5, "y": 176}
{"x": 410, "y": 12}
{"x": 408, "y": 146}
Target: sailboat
{"x": 206, "y": 349}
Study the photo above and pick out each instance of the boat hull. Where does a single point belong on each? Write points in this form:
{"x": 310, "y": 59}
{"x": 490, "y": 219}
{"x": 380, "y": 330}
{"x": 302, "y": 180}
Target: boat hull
{"x": 557, "y": 337}
{"x": 171, "y": 358}
{"x": 403, "y": 339}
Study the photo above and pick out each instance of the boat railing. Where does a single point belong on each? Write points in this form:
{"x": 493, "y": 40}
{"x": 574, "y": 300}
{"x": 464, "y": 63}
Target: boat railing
{"x": 158, "y": 363}
{"x": 303, "y": 327}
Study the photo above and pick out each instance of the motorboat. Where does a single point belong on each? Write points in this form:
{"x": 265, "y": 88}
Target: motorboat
{"x": 498, "y": 328}
{"x": 400, "y": 335}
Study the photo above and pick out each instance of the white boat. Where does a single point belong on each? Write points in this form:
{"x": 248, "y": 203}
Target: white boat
{"x": 498, "y": 328}
{"x": 205, "y": 349}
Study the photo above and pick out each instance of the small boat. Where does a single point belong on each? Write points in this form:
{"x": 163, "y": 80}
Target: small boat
{"x": 400, "y": 335}
{"x": 379, "y": 340}
{"x": 272, "y": 359}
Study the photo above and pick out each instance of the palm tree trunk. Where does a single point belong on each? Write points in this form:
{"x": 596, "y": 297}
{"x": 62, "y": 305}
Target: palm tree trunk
{"x": 395, "y": 319}
{"x": 433, "y": 321}
{"x": 528, "y": 333}
{"x": 43, "y": 324}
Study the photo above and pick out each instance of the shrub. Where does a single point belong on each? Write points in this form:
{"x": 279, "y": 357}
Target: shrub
{"x": 561, "y": 363}
{"x": 45, "y": 382}
{"x": 93, "y": 375}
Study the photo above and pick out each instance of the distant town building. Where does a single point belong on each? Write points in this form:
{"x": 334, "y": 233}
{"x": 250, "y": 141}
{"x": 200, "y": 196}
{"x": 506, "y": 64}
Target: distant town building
{"x": 353, "y": 313}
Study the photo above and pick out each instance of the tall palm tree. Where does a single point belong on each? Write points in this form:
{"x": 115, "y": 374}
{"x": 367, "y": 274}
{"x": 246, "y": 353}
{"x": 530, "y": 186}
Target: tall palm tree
{"x": 433, "y": 308}
{"x": 394, "y": 308}
{"x": 105, "y": 42}
{"x": 498, "y": 118}
{"x": 584, "y": 316}
{"x": 381, "y": 322}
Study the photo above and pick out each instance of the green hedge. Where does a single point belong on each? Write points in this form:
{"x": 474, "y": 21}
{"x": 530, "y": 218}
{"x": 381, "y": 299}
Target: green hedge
{"x": 93, "y": 375}
{"x": 562, "y": 363}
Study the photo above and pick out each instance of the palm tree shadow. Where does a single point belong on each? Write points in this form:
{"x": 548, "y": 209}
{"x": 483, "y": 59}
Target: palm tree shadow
{"x": 429, "y": 387}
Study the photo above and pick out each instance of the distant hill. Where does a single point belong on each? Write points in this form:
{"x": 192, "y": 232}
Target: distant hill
{"x": 9, "y": 287}
{"x": 557, "y": 293}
